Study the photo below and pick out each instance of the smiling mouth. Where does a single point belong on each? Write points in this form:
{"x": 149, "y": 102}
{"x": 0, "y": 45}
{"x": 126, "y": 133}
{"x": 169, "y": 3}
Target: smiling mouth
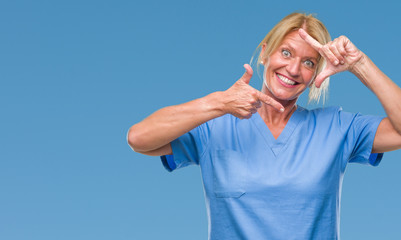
{"x": 286, "y": 80}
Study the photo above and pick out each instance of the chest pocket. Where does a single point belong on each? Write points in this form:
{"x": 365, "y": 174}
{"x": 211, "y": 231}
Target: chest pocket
{"x": 229, "y": 173}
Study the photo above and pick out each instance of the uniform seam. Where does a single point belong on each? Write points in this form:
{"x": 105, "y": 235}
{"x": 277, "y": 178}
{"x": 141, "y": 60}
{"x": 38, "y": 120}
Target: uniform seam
{"x": 208, "y": 141}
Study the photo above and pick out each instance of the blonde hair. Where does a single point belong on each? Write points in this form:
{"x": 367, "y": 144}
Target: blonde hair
{"x": 314, "y": 28}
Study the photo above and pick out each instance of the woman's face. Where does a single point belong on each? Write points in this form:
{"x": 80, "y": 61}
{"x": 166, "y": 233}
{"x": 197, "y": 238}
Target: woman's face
{"x": 291, "y": 68}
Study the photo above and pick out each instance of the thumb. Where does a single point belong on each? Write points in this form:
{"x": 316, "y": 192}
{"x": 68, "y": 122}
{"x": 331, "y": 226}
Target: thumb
{"x": 247, "y": 75}
{"x": 321, "y": 77}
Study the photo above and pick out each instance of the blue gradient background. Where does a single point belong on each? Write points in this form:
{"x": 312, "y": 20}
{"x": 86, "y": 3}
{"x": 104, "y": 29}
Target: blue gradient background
{"x": 75, "y": 75}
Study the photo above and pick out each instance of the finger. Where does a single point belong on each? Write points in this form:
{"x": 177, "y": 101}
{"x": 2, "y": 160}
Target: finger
{"x": 329, "y": 55}
{"x": 310, "y": 40}
{"x": 257, "y": 104}
{"x": 247, "y": 75}
{"x": 270, "y": 101}
{"x": 245, "y": 115}
{"x": 340, "y": 46}
{"x": 337, "y": 53}
{"x": 254, "y": 110}
{"x": 349, "y": 47}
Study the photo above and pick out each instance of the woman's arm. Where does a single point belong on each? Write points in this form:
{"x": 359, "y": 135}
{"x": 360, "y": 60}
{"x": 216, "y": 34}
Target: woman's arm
{"x": 342, "y": 55}
{"x": 388, "y": 135}
{"x": 153, "y": 135}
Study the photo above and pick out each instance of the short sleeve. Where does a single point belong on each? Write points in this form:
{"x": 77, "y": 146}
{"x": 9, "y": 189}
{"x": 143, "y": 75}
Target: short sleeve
{"x": 188, "y": 148}
{"x": 360, "y": 134}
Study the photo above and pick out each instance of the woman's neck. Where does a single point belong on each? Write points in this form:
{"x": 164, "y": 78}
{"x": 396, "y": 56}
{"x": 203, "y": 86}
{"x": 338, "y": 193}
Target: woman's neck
{"x": 273, "y": 117}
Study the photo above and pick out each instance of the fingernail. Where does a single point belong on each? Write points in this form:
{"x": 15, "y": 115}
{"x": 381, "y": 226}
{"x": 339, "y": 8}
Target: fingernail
{"x": 342, "y": 62}
{"x": 281, "y": 109}
{"x": 335, "y": 62}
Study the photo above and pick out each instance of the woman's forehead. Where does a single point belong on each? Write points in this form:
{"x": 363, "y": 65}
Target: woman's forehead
{"x": 296, "y": 43}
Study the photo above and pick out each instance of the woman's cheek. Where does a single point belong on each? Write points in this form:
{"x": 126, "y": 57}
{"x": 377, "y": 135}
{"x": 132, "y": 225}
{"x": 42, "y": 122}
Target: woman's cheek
{"x": 310, "y": 76}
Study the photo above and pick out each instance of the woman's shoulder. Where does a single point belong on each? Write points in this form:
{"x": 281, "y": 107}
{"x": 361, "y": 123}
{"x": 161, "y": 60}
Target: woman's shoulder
{"x": 333, "y": 114}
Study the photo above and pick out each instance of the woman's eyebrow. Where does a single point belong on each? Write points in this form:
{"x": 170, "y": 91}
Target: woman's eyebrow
{"x": 293, "y": 49}
{"x": 288, "y": 45}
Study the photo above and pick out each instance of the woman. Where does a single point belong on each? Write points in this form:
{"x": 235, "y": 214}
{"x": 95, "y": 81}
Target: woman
{"x": 272, "y": 169}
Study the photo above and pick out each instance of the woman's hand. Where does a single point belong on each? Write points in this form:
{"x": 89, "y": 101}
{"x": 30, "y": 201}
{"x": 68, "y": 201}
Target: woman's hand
{"x": 340, "y": 55}
{"x": 152, "y": 136}
{"x": 242, "y": 100}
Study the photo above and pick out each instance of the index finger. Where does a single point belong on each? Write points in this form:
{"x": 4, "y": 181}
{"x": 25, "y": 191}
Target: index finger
{"x": 310, "y": 40}
{"x": 270, "y": 101}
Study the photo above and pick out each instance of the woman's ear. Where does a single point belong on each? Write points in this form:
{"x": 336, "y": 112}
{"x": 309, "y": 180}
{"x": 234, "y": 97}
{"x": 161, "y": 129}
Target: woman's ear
{"x": 262, "y": 59}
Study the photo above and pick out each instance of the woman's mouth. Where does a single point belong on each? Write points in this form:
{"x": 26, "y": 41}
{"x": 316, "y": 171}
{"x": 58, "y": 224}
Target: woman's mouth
{"x": 286, "y": 81}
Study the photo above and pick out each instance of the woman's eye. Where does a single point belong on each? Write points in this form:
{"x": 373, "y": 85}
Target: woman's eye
{"x": 286, "y": 53}
{"x": 309, "y": 63}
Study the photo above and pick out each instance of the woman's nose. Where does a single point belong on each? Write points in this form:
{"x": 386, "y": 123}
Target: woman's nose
{"x": 294, "y": 67}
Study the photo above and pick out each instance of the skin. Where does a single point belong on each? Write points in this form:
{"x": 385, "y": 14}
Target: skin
{"x": 295, "y": 60}
{"x": 342, "y": 55}
{"x": 275, "y": 104}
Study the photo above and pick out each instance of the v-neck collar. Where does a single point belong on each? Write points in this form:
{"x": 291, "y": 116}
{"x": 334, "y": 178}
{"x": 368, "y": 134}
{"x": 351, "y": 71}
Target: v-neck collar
{"x": 276, "y": 145}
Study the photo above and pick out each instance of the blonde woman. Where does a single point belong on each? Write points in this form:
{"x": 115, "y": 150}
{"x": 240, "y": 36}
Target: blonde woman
{"x": 272, "y": 169}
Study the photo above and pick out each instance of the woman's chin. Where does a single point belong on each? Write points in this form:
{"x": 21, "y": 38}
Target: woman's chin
{"x": 285, "y": 97}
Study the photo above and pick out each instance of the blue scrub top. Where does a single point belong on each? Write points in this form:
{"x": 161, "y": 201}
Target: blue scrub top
{"x": 259, "y": 187}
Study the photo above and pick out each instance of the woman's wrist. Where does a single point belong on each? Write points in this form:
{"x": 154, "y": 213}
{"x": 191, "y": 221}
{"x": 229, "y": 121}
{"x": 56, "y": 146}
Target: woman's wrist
{"x": 362, "y": 69}
{"x": 214, "y": 103}
{"x": 359, "y": 67}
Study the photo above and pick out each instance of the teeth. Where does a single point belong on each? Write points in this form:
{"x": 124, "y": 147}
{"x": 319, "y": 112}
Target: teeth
{"x": 286, "y": 80}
